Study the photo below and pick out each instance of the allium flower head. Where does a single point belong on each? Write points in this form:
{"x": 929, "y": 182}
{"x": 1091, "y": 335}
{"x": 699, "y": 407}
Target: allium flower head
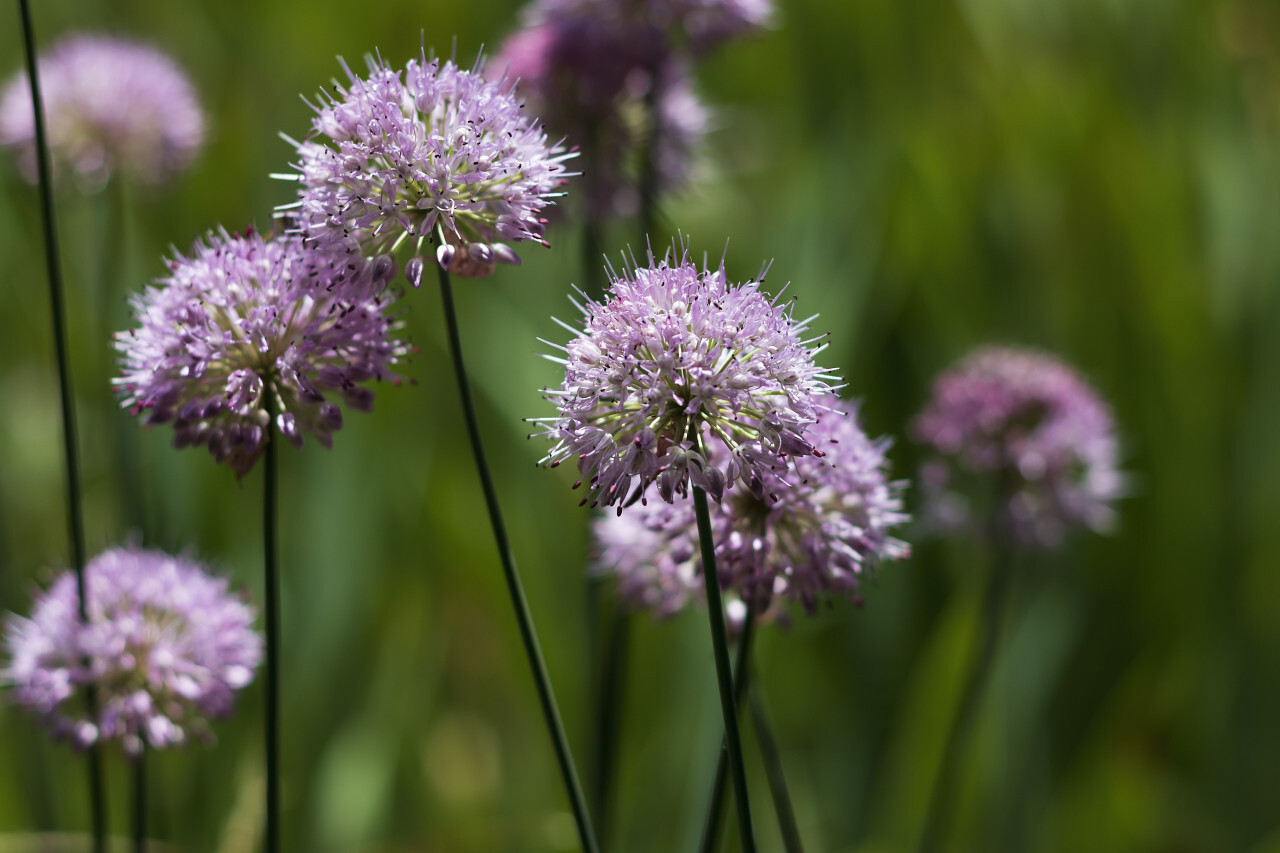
{"x": 675, "y": 353}
{"x": 1030, "y": 429}
{"x": 698, "y": 24}
{"x": 599, "y": 95}
{"x": 167, "y": 648}
{"x": 244, "y": 317}
{"x": 436, "y": 154}
{"x": 816, "y": 532}
{"x": 109, "y": 105}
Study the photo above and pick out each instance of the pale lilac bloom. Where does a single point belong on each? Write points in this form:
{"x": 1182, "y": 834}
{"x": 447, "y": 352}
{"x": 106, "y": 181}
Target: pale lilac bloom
{"x": 675, "y": 348}
{"x": 167, "y": 647}
{"x": 246, "y": 316}
{"x": 435, "y": 154}
{"x": 1022, "y": 429}
{"x": 110, "y": 105}
{"x": 817, "y": 532}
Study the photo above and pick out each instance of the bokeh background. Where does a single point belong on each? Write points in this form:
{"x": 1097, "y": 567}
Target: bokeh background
{"x": 1099, "y": 178}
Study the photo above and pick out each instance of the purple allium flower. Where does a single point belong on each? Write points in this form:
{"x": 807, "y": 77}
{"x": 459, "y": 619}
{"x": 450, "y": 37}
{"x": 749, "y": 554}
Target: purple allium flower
{"x": 814, "y": 533}
{"x": 699, "y": 24}
{"x": 1033, "y": 432}
{"x": 599, "y": 94}
{"x": 244, "y": 315}
{"x": 436, "y": 154}
{"x": 675, "y": 349}
{"x": 109, "y": 105}
{"x": 167, "y": 648}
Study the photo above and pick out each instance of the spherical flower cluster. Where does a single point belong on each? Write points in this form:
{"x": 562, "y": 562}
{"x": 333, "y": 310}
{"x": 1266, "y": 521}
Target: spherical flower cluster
{"x": 165, "y": 645}
{"x": 109, "y": 105}
{"x": 1034, "y": 432}
{"x": 699, "y": 24}
{"x": 246, "y": 317}
{"x": 438, "y": 154}
{"x": 600, "y": 95}
{"x": 676, "y": 366}
{"x": 814, "y": 533}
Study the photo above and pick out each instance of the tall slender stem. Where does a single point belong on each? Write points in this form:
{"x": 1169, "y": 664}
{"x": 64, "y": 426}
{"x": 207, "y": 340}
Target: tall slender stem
{"x": 724, "y": 675}
{"x": 610, "y": 686}
{"x": 773, "y": 769}
{"x": 941, "y": 801}
{"x": 546, "y": 697}
{"x": 140, "y": 800}
{"x": 648, "y": 188}
{"x": 271, "y": 595}
{"x": 741, "y": 674}
{"x": 75, "y": 518}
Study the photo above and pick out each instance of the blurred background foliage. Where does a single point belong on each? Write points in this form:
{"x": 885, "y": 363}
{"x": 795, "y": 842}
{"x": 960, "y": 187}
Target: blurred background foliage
{"x": 1099, "y": 178}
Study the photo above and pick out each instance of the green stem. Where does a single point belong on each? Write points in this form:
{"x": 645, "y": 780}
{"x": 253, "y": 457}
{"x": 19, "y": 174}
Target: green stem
{"x": 610, "y": 686}
{"x": 724, "y": 675}
{"x": 773, "y": 769}
{"x": 271, "y": 597}
{"x": 75, "y": 518}
{"x": 741, "y": 675}
{"x": 941, "y": 801}
{"x": 546, "y": 697}
{"x": 648, "y": 188}
{"x": 140, "y": 800}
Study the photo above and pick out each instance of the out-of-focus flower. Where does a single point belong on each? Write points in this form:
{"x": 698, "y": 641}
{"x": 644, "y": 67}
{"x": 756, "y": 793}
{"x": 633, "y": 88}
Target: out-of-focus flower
{"x": 697, "y": 24}
{"x": 437, "y": 154}
{"x": 815, "y": 532}
{"x": 244, "y": 317}
{"x": 680, "y": 375}
{"x": 601, "y": 97}
{"x": 165, "y": 645}
{"x": 1024, "y": 430}
{"x": 110, "y": 105}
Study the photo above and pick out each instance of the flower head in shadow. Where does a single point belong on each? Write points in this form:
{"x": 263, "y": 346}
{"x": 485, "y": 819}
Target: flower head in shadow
{"x": 817, "y": 532}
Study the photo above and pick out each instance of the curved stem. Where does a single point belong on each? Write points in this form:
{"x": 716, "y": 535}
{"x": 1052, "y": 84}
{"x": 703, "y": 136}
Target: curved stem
{"x": 75, "y": 518}
{"x": 271, "y": 596}
{"x": 724, "y": 676}
{"x": 988, "y": 627}
{"x": 741, "y": 675}
{"x": 546, "y": 697}
{"x": 773, "y": 769}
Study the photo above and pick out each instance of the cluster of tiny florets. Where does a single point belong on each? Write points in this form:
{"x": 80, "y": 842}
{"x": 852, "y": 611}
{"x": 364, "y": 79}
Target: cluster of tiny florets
{"x": 435, "y": 154}
{"x": 166, "y": 647}
{"x": 816, "y": 532}
{"x": 1029, "y": 428}
{"x": 245, "y": 317}
{"x": 677, "y": 365}
{"x": 110, "y": 105}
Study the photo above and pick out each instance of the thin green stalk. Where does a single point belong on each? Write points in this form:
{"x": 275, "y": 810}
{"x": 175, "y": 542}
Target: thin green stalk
{"x": 741, "y": 675}
{"x": 649, "y": 164}
{"x": 140, "y": 800}
{"x": 546, "y": 697}
{"x": 611, "y": 684}
{"x": 773, "y": 769}
{"x": 271, "y": 597}
{"x": 724, "y": 675}
{"x": 941, "y": 801}
{"x": 75, "y": 518}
